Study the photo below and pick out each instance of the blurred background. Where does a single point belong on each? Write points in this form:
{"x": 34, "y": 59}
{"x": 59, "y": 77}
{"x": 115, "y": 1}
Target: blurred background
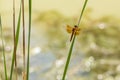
{"x": 96, "y": 50}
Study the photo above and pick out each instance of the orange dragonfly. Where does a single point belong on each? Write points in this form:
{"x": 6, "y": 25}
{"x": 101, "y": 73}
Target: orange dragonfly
{"x": 74, "y": 30}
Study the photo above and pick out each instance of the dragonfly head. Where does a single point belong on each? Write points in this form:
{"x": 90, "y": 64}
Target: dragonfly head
{"x": 75, "y": 26}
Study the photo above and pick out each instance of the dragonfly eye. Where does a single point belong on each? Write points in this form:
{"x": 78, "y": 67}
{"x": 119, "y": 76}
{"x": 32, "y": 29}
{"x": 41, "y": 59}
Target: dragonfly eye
{"x": 75, "y": 26}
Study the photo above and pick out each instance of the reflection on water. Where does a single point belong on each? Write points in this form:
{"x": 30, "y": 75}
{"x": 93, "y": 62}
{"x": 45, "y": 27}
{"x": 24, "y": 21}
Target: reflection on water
{"x": 40, "y": 64}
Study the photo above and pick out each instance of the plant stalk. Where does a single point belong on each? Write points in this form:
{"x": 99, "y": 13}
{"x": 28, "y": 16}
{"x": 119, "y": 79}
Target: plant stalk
{"x": 17, "y": 38}
{"x": 3, "y": 49}
{"x": 23, "y": 20}
{"x": 68, "y": 58}
{"x": 72, "y": 44}
{"x": 29, "y": 35}
{"x": 14, "y": 38}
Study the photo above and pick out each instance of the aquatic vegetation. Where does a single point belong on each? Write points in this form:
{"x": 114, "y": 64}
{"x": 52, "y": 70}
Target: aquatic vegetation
{"x": 15, "y": 44}
{"x": 29, "y": 36}
{"x": 95, "y": 55}
{"x": 72, "y": 43}
{"x": 3, "y": 49}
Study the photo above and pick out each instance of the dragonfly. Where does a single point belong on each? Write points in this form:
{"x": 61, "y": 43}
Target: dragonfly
{"x": 73, "y": 30}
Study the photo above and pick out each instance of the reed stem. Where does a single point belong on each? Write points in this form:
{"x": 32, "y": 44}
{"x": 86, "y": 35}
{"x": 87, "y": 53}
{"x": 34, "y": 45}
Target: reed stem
{"x": 23, "y": 20}
{"x": 72, "y": 44}
{"x": 14, "y": 38}
{"x": 17, "y": 38}
{"x": 3, "y": 49}
{"x": 29, "y": 36}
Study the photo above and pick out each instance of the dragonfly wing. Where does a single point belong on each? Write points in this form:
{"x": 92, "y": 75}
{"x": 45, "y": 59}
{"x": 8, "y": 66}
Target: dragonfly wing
{"x": 77, "y": 32}
{"x": 69, "y": 29}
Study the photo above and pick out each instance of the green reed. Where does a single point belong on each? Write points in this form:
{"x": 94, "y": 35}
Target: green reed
{"x": 72, "y": 44}
{"x": 29, "y": 35}
{"x": 3, "y": 49}
{"x": 14, "y": 22}
{"x": 16, "y": 44}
